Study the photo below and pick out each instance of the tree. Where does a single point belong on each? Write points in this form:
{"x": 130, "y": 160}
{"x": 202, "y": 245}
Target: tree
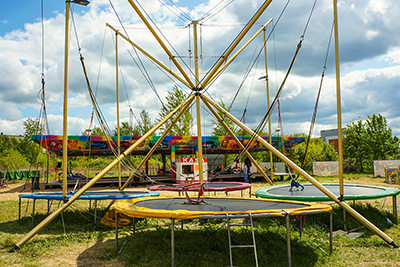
{"x": 174, "y": 99}
{"x": 218, "y": 129}
{"x": 318, "y": 150}
{"x": 12, "y": 159}
{"x": 96, "y": 131}
{"x": 143, "y": 126}
{"x": 372, "y": 140}
{"x": 126, "y": 130}
{"x": 31, "y": 126}
{"x": 355, "y": 147}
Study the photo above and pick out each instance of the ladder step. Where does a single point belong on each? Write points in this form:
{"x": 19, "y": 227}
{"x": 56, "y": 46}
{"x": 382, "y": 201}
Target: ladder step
{"x": 242, "y": 246}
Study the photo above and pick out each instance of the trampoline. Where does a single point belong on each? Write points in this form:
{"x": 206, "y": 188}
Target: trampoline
{"x": 89, "y": 195}
{"x": 209, "y": 187}
{"x": 214, "y": 208}
{"x": 311, "y": 193}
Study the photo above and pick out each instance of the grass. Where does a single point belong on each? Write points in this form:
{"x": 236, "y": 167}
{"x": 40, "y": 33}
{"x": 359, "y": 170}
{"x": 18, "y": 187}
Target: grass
{"x": 199, "y": 243}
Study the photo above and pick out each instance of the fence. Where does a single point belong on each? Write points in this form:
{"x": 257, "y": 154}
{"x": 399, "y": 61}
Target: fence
{"x": 19, "y": 175}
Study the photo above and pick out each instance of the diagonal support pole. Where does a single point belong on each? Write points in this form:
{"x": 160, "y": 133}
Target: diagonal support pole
{"x": 216, "y": 115}
{"x": 229, "y": 61}
{"x": 249, "y": 25}
{"x": 183, "y": 109}
{"x": 171, "y": 57}
{"x": 57, "y": 212}
{"x": 317, "y": 184}
{"x": 147, "y": 54}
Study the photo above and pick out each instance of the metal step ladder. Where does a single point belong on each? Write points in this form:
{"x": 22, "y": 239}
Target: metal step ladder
{"x": 241, "y": 246}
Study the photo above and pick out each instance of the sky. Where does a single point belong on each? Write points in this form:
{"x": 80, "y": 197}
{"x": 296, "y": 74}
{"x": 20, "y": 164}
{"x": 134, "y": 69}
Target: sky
{"x": 369, "y": 46}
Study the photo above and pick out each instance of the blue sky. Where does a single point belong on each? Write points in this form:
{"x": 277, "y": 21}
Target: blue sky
{"x": 369, "y": 56}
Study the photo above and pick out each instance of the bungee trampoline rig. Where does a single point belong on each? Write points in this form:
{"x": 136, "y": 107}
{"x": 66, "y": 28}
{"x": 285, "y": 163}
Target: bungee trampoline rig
{"x": 198, "y": 87}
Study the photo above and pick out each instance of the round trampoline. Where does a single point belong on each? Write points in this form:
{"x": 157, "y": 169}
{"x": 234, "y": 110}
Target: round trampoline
{"x": 216, "y": 208}
{"x": 208, "y": 187}
{"x": 91, "y": 195}
{"x": 179, "y": 208}
{"x": 311, "y": 193}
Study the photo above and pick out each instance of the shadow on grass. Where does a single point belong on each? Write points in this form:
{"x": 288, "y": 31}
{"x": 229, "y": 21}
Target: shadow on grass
{"x": 202, "y": 247}
{"x": 70, "y": 220}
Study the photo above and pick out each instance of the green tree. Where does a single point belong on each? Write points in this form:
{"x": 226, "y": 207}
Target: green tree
{"x": 355, "y": 146}
{"x": 368, "y": 141}
{"x": 143, "y": 126}
{"x": 218, "y": 129}
{"x": 31, "y": 126}
{"x": 12, "y": 159}
{"x": 174, "y": 99}
{"x": 126, "y": 130}
{"x": 96, "y": 131}
{"x": 318, "y": 150}
{"x": 145, "y": 122}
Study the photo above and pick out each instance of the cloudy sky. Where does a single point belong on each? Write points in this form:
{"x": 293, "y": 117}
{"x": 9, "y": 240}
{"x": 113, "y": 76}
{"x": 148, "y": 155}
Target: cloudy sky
{"x": 369, "y": 58}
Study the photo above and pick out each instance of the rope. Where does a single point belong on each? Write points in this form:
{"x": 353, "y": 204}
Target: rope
{"x": 200, "y": 195}
{"x": 279, "y": 92}
{"x": 314, "y": 116}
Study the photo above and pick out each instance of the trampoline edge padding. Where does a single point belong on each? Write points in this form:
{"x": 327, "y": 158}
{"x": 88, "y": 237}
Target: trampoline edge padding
{"x": 365, "y": 192}
{"x": 175, "y": 207}
{"x": 91, "y": 195}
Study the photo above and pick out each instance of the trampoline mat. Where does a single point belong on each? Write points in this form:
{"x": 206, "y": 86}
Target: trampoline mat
{"x": 100, "y": 195}
{"x": 214, "y": 204}
{"x": 311, "y": 193}
{"x": 170, "y": 207}
{"x": 210, "y": 186}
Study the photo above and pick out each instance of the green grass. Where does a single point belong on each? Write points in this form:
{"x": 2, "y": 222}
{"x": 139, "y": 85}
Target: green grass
{"x": 199, "y": 243}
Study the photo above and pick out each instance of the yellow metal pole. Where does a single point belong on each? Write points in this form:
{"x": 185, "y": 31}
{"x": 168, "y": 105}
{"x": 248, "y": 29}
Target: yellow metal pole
{"x": 208, "y": 79}
{"x": 231, "y": 133}
{"x": 176, "y": 76}
{"x": 118, "y": 126}
{"x": 196, "y": 54}
{"x": 240, "y": 50}
{"x": 198, "y": 110}
{"x": 291, "y": 164}
{"x": 65, "y": 111}
{"x": 339, "y": 109}
{"x": 183, "y": 109}
{"x": 171, "y": 57}
{"x": 55, "y": 213}
{"x": 271, "y": 161}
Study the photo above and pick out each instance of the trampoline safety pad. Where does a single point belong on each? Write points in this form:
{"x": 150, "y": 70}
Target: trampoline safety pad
{"x": 179, "y": 208}
{"x": 91, "y": 195}
{"x": 208, "y": 187}
{"x": 311, "y": 193}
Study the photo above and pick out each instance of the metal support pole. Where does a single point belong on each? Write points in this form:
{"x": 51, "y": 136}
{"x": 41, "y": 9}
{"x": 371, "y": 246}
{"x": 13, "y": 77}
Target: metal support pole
{"x": 95, "y": 213}
{"x": 288, "y": 239}
{"x": 344, "y": 220}
{"x": 172, "y": 242}
{"x": 330, "y": 232}
{"x": 65, "y": 108}
{"x": 33, "y": 211}
{"x": 394, "y": 201}
{"x": 116, "y": 233}
{"x": 19, "y": 209}
{"x": 134, "y": 225}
